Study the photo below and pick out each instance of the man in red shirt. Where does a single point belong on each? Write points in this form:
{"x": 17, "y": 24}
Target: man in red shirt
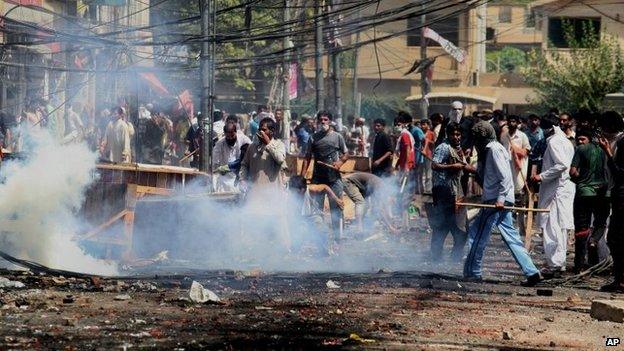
{"x": 427, "y": 151}
{"x": 405, "y": 152}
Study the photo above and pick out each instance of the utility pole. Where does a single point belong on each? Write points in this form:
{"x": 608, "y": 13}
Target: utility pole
{"x": 318, "y": 64}
{"x": 337, "y": 89}
{"x": 207, "y": 80}
{"x": 286, "y": 44}
{"x": 356, "y": 55}
{"x": 423, "y": 73}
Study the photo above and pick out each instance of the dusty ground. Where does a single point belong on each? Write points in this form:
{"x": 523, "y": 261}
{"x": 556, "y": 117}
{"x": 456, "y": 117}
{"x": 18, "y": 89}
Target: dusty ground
{"x": 377, "y": 310}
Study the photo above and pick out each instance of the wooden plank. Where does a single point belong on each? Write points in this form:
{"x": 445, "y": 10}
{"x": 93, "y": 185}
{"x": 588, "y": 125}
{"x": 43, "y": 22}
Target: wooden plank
{"x": 141, "y": 189}
{"x": 529, "y": 223}
{"x": 97, "y": 230}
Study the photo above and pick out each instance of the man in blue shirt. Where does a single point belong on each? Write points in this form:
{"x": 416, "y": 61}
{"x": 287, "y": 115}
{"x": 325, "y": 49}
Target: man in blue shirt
{"x": 494, "y": 174}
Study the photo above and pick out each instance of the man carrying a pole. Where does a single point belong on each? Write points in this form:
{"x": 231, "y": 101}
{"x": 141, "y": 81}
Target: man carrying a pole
{"x": 494, "y": 175}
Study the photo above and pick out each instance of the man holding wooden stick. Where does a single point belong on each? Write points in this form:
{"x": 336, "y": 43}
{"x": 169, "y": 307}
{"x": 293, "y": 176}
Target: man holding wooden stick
{"x": 330, "y": 152}
{"x": 494, "y": 175}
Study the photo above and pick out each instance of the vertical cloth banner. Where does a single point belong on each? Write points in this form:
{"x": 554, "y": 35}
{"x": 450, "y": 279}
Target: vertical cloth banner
{"x": 450, "y": 48}
{"x": 292, "y": 81}
{"x": 185, "y": 102}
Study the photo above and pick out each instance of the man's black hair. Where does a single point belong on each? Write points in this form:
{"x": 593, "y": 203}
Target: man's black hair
{"x": 452, "y": 127}
{"x": 297, "y": 182}
{"x": 514, "y": 117}
{"x": 584, "y": 132}
{"x": 326, "y": 114}
{"x": 499, "y": 115}
{"x": 217, "y": 115}
{"x": 534, "y": 116}
{"x": 231, "y": 119}
{"x": 553, "y": 110}
{"x": 436, "y": 116}
{"x": 404, "y": 117}
{"x": 611, "y": 121}
{"x": 426, "y": 121}
{"x": 229, "y": 126}
{"x": 270, "y": 123}
{"x": 380, "y": 121}
{"x": 294, "y": 116}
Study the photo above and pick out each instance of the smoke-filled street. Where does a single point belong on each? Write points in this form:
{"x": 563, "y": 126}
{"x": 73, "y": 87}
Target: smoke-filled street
{"x": 375, "y": 310}
{"x": 311, "y": 174}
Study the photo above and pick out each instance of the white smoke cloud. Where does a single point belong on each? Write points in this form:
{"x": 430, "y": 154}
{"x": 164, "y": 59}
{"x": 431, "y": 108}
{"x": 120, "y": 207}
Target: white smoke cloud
{"x": 38, "y": 201}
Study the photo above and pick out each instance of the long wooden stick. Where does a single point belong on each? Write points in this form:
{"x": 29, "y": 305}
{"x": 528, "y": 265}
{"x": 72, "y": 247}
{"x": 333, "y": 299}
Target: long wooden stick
{"x": 331, "y": 166}
{"x": 189, "y": 155}
{"x": 513, "y": 208}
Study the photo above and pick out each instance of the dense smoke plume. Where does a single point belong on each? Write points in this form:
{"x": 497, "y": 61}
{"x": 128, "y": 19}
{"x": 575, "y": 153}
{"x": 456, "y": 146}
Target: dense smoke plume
{"x": 204, "y": 233}
{"x": 38, "y": 201}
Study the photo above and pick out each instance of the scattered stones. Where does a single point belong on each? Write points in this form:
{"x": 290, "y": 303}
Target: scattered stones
{"x": 199, "y": 294}
{"x": 507, "y": 335}
{"x": 549, "y": 319}
{"x": 332, "y": 285}
{"x": 69, "y": 299}
{"x": 608, "y": 310}
{"x": 544, "y": 292}
{"x": 70, "y": 322}
{"x": 6, "y": 283}
{"x": 123, "y": 297}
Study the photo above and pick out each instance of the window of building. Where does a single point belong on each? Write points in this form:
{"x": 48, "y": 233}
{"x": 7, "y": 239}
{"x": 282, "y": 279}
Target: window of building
{"x": 556, "y": 31}
{"x": 490, "y": 33}
{"x": 529, "y": 18}
{"x": 504, "y": 14}
{"x": 448, "y": 28}
{"x": 18, "y": 33}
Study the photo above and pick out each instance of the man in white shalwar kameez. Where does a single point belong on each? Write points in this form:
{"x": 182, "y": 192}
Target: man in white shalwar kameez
{"x": 556, "y": 194}
{"x": 226, "y": 152}
{"x": 116, "y": 145}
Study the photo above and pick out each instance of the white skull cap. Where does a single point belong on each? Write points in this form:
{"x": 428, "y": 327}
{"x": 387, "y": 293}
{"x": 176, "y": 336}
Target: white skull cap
{"x": 457, "y": 104}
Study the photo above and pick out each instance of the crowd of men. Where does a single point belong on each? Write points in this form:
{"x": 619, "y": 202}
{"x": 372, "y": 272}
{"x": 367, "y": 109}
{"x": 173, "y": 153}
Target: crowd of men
{"x": 574, "y": 162}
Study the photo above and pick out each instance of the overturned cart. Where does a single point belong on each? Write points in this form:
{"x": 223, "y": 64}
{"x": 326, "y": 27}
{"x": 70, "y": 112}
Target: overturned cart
{"x": 126, "y": 198}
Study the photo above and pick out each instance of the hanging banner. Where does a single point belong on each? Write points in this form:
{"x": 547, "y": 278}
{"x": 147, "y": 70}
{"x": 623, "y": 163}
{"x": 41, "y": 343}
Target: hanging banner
{"x": 450, "y": 48}
{"x": 292, "y": 81}
{"x": 155, "y": 83}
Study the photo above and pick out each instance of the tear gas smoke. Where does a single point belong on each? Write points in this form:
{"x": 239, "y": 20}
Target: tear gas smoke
{"x": 267, "y": 232}
{"x": 38, "y": 201}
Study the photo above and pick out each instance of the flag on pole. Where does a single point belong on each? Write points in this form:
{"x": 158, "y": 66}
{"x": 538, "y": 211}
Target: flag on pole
{"x": 155, "y": 83}
{"x": 450, "y": 48}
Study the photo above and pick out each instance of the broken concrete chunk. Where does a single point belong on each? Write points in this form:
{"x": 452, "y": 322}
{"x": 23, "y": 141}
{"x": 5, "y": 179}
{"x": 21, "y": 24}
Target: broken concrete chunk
{"x": 332, "y": 285}
{"x": 123, "y": 297}
{"x": 608, "y": 310}
{"x": 199, "y": 294}
{"x": 6, "y": 283}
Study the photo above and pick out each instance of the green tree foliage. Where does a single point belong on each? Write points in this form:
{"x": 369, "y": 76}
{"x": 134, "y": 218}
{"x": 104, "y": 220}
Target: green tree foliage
{"x": 508, "y": 59}
{"x": 579, "y": 77}
{"x": 229, "y": 24}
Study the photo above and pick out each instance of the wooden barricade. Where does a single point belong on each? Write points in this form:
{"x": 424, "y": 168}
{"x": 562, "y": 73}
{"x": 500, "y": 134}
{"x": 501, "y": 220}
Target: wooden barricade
{"x": 113, "y": 197}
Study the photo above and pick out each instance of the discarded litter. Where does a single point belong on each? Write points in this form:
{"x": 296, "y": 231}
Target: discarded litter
{"x": 200, "y": 294}
{"x": 6, "y": 283}
{"x": 332, "y": 285}
{"x": 356, "y": 338}
{"x": 123, "y": 297}
{"x": 263, "y": 308}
